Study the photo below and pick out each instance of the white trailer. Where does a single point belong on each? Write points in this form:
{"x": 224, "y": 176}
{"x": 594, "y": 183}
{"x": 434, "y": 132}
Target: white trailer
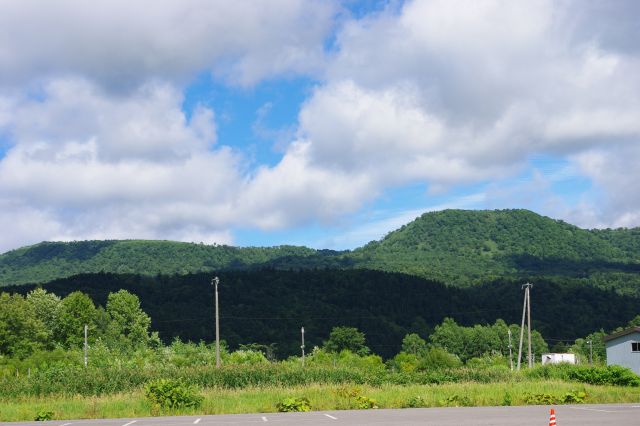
{"x": 558, "y": 358}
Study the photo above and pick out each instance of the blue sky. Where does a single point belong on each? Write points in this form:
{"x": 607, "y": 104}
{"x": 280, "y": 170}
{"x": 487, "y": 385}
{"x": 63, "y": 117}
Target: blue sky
{"x": 318, "y": 123}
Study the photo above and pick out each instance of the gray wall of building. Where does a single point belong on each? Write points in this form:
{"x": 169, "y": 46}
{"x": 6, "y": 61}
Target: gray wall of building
{"x": 619, "y": 352}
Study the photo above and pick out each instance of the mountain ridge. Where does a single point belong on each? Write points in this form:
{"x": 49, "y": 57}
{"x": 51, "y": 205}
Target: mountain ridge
{"x": 458, "y": 247}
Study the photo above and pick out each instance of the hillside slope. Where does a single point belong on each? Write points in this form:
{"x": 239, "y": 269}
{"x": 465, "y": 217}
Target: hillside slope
{"x": 464, "y": 247}
{"x": 458, "y": 247}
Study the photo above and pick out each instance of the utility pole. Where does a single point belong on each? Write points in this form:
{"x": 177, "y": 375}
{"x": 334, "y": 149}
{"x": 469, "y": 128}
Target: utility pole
{"x": 215, "y": 281}
{"x": 302, "y": 346}
{"x": 86, "y": 346}
{"x": 510, "y": 354}
{"x": 527, "y": 289}
{"x": 526, "y": 310}
{"x": 590, "y": 352}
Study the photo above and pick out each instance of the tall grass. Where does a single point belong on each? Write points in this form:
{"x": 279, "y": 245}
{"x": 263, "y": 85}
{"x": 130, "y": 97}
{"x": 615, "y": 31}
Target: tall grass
{"x": 65, "y": 379}
{"x": 78, "y": 380}
{"x": 322, "y": 397}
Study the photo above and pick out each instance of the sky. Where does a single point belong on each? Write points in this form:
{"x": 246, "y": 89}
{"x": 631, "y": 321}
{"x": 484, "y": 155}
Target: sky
{"x": 321, "y": 123}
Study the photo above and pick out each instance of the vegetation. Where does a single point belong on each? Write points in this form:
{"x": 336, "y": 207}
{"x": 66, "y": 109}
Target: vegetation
{"x": 266, "y": 308}
{"x": 454, "y": 246}
{"x": 375, "y": 337}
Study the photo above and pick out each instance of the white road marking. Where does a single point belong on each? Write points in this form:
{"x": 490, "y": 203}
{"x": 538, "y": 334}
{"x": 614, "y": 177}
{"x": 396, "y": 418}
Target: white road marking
{"x": 65, "y": 424}
{"x": 331, "y": 417}
{"x": 130, "y": 423}
{"x": 264, "y": 419}
{"x": 591, "y": 409}
{"x": 197, "y": 421}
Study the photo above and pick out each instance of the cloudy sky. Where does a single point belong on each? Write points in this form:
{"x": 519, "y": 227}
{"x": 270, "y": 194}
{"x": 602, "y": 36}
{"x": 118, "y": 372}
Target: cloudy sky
{"x": 324, "y": 123}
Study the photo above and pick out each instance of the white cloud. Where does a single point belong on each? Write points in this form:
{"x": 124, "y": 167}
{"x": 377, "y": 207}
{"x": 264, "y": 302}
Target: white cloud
{"x": 615, "y": 173}
{"x": 451, "y": 93}
{"x": 122, "y": 43}
{"x": 436, "y": 92}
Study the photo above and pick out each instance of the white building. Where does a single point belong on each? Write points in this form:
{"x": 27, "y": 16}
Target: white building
{"x": 623, "y": 348}
{"x": 558, "y": 358}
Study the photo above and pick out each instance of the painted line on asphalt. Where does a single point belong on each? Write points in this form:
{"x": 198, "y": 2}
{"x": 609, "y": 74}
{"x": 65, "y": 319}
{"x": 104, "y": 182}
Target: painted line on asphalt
{"x": 331, "y": 417}
{"x": 130, "y": 423}
{"x": 197, "y": 421}
{"x": 264, "y": 419}
{"x": 591, "y": 409}
{"x": 65, "y": 424}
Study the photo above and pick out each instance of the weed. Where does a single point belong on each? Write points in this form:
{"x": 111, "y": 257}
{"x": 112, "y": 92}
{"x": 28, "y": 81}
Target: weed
{"x": 456, "y": 401}
{"x": 291, "y": 404}
{"x": 415, "y": 402}
{"x": 170, "y": 394}
{"x": 44, "y": 415}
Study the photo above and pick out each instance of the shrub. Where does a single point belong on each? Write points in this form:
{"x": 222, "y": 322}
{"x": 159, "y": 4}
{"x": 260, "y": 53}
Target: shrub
{"x": 415, "y": 402}
{"x": 438, "y": 358}
{"x": 170, "y": 394}
{"x": 539, "y": 399}
{"x": 456, "y": 401}
{"x": 609, "y": 375}
{"x": 43, "y": 415}
{"x": 506, "y": 401}
{"x": 364, "y": 403}
{"x": 574, "y": 397}
{"x": 289, "y": 405}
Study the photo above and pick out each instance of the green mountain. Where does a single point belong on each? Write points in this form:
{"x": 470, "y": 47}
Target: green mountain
{"x": 467, "y": 247}
{"x": 456, "y": 247}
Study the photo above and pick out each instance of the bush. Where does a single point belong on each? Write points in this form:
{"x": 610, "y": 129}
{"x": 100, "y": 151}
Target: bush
{"x": 291, "y": 405}
{"x": 350, "y": 398}
{"x": 438, "y": 358}
{"x": 574, "y": 397}
{"x": 609, "y": 375}
{"x": 456, "y": 401}
{"x": 171, "y": 394}
{"x": 43, "y": 415}
{"x": 539, "y": 399}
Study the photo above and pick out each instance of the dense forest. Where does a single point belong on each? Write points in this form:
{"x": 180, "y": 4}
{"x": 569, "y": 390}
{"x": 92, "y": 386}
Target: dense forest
{"x": 269, "y": 306}
{"x": 457, "y": 247}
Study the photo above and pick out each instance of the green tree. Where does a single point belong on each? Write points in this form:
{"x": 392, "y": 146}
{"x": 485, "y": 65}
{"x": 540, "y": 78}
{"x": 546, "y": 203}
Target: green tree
{"x": 129, "y": 323}
{"x": 635, "y": 322}
{"x": 349, "y": 338}
{"x": 47, "y": 308}
{"x": 479, "y": 341}
{"x": 413, "y": 344}
{"x": 21, "y": 331}
{"x": 76, "y": 311}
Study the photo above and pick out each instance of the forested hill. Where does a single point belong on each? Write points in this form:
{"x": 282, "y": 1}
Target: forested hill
{"x": 460, "y": 246}
{"x": 269, "y": 306}
{"x": 457, "y": 247}
{"x": 50, "y": 260}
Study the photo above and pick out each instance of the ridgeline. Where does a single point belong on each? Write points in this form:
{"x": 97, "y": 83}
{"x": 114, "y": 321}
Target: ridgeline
{"x": 456, "y": 247}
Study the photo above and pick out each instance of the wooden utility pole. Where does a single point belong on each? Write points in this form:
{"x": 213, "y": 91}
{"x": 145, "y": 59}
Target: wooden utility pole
{"x": 86, "y": 345}
{"x": 302, "y": 346}
{"x": 526, "y": 312}
{"x": 215, "y": 281}
{"x": 510, "y": 346}
{"x": 527, "y": 290}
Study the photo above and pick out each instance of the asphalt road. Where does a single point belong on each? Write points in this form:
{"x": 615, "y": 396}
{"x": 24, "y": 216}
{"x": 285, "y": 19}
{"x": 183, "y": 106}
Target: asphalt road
{"x": 566, "y": 415}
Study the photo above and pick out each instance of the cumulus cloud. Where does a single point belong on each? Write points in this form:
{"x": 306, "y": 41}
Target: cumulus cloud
{"x": 434, "y": 92}
{"x": 121, "y": 43}
{"x": 88, "y": 163}
{"x": 451, "y": 93}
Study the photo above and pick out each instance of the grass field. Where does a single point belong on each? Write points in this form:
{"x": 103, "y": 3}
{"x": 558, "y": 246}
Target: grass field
{"x": 321, "y": 397}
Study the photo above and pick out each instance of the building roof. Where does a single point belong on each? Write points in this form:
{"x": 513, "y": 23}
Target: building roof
{"x": 621, "y": 333}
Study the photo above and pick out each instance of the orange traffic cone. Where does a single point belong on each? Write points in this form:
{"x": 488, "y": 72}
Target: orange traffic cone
{"x": 552, "y": 418}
